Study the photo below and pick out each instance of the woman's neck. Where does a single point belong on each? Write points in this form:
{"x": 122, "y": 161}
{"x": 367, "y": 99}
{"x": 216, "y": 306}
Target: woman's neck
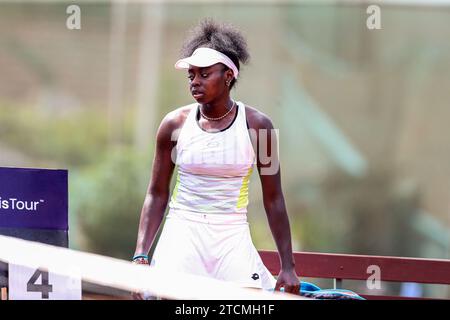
{"x": 217, "y": 108}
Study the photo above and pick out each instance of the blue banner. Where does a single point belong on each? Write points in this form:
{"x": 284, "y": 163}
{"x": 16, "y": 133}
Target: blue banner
{"x": 34, "y": 198}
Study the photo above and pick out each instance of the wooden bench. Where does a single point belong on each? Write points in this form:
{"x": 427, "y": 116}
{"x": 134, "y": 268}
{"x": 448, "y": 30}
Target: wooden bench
{"x": 355, "y": 267}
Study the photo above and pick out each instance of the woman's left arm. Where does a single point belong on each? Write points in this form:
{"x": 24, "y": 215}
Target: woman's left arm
{"x": 269, "y": 172}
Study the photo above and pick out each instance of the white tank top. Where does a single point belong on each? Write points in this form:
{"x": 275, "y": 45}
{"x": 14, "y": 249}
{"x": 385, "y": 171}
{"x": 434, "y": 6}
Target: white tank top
{"x": 214, "y": 168}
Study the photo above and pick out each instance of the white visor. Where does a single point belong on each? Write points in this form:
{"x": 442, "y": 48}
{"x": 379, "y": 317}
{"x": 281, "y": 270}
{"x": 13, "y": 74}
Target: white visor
{"x": 205, "y": 57}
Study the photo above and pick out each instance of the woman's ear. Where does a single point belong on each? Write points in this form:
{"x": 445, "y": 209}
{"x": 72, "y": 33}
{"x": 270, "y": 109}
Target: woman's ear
{"x": 229, "y": 76}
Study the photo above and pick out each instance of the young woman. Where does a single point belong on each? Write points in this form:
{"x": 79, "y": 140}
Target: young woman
{"x": 206, "y": 231}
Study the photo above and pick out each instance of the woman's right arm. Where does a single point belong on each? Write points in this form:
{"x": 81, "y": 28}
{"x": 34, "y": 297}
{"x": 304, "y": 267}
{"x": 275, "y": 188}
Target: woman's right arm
{"x": 158, "y": 192}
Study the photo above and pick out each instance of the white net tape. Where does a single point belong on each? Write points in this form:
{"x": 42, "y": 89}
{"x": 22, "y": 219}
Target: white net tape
{"x": 124, "y": 275}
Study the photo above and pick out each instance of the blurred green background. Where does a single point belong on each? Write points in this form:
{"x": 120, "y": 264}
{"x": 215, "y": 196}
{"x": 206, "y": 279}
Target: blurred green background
{"x": 362, "y": 114}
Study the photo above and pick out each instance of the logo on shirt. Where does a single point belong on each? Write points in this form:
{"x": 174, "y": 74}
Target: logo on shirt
{"x": 255, "y": 276}
{"x": 212, "y": 144}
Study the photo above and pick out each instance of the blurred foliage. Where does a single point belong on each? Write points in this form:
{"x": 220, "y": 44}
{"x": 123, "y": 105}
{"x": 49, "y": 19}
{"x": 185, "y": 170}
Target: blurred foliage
{"x": 366, "y": 215}
{"x": 75, "y": 139}
{"x": 107, "y": 179}
{"x": 107, "y": 201}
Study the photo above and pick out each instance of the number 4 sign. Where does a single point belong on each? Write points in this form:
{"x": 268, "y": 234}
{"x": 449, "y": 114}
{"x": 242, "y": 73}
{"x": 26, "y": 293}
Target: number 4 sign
{"x": 27, "y": 283}
{"x": 44, "y": 288}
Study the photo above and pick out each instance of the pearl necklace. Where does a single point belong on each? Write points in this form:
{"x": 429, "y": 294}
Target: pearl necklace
{"x": 218, "y": 118}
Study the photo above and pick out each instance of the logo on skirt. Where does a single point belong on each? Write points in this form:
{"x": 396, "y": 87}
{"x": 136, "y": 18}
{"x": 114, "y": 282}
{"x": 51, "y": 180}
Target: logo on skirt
{"x": 255, "y": 276}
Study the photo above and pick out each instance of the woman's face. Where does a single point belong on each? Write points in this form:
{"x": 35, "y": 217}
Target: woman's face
{"x": 208, "y": 84}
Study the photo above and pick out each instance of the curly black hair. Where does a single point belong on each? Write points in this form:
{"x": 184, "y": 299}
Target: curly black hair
{"x": 222, "y": 37}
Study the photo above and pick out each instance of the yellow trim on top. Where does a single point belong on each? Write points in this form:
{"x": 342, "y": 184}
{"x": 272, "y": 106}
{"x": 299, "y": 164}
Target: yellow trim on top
{"x": 175, "y": 189}
{"x": 243, "y": 192}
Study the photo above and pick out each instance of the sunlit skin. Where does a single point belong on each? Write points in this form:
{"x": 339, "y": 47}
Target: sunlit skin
{"x": 208, "y": 86}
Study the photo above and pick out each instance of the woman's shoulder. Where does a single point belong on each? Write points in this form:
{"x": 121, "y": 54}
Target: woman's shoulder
{"x": 256, "y": 119}
{"x": 175, "y": 118}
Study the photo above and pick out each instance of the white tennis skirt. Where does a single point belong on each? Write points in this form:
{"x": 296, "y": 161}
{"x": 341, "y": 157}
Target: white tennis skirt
{"x": 211, "y": 245}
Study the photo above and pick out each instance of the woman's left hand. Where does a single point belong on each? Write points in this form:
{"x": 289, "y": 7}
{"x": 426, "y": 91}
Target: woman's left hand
{"x": 289, "y": 280}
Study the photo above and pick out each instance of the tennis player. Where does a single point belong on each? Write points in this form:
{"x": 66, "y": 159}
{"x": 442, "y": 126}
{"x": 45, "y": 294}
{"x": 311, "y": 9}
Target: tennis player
{"x": 215, "y": 143}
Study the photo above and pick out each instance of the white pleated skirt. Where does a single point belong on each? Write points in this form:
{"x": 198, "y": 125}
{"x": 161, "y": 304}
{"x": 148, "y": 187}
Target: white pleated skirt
{"x": 211, "y": 245}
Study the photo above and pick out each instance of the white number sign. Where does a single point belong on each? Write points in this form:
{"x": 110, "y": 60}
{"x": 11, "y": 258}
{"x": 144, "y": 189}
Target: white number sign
{"x": 35, "y": 283}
